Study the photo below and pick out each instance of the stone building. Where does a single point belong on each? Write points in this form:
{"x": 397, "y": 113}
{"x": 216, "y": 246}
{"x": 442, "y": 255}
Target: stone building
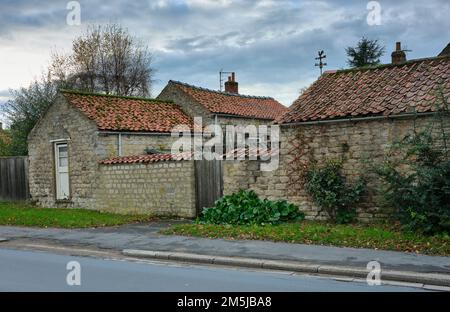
{"x": 224, "y": 108}
{"x": 112, "y": 153}
{"x": 80, "y": 130}
{"x": 353, "y": 115}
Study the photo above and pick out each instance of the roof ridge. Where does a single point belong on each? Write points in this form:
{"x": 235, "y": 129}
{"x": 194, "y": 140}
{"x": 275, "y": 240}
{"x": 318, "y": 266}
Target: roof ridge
{"x": 390, "y": 65}
{"x": 127, "y": 97}
{"x": 222, "y": 92}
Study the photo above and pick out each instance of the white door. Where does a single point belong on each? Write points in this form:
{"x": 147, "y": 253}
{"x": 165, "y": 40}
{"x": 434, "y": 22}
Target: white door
{"x": 62, "y": 171}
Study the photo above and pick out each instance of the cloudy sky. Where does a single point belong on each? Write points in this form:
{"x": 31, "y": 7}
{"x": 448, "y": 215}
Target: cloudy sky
{"x": 271, "y": 44}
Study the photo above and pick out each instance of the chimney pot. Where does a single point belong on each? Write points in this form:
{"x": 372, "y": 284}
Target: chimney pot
{"x": 231, "y": 86}
{"x": 398, "y": 56}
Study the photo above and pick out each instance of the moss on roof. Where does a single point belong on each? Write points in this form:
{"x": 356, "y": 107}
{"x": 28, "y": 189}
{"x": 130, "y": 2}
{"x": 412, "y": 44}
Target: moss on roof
{"x": 87, "y": 93}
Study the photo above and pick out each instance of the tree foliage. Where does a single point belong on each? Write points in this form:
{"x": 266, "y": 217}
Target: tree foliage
{"x": 329, "y": 189}
{"x": 5, "y": 143}
{"x": 416, "y": 177}
{"x": 366, "y": 53}
{"x": 25, "y": 108}
{"x": 106, "y": 59}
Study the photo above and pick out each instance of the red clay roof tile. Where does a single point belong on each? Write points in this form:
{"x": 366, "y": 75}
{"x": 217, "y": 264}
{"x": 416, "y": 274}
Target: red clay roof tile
{"x": 234, "y": 104}
{"x": 117, "y": 113}
{"x": 385, "y": 90}
{"x": 146, "y": 158}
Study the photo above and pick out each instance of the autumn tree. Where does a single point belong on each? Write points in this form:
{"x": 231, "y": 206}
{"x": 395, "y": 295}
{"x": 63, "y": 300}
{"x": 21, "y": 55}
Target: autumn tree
{"x": 106, "y": 59}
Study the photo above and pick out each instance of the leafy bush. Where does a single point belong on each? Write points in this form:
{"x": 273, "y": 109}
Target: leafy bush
{"x": 245, "y": 207}
{"x": 417, "y": 183}
{"x": 330, "y": 191}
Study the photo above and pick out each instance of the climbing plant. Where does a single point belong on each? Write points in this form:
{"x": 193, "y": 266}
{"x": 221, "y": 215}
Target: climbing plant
{"x": 416, "y": 176}
{"x": 330, "y": 190}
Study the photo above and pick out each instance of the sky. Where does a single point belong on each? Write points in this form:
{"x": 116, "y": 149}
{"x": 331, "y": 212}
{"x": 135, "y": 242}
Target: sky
{"x": 270, "y": 44}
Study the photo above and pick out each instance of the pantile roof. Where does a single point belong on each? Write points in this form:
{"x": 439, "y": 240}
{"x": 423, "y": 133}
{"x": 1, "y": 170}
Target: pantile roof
{"x": 233, "y": 104}
{"x": 151, "y": 158}
{"x": 119, "y": 113}
{"x": 379, "y": 91}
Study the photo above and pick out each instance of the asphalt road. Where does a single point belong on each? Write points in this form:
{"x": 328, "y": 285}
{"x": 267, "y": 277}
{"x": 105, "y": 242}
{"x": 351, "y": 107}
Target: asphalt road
{"x": 147, "y": 237}
{"x": 43, "y": 271}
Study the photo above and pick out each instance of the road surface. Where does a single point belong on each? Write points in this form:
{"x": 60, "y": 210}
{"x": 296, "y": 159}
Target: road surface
{"x": 44, "y": 271}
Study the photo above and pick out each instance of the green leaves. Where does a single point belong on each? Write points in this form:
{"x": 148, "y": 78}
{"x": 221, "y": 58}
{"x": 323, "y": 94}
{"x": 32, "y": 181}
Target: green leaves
{"x": 366, "y": 53}
{"x": 417, "y": 182}
{"x": 329, "y": 190}
{"x": 246, "y": 208}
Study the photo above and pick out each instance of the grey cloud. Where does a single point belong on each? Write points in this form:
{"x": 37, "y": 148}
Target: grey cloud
{"x": 264, "y": 44}
{"x": 4, "y": 93}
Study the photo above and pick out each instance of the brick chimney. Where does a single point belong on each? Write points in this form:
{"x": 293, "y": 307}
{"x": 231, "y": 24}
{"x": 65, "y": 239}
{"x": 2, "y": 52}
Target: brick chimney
{"x": 231, "y": 86}
{"x": 398, "y": 56}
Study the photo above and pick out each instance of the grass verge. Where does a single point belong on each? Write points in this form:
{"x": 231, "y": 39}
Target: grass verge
{"x": 320, "y": 233}
{"x": 24, "y": 214}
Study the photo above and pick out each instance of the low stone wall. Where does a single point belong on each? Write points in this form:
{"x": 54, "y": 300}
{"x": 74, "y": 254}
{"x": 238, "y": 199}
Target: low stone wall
{"x": 160, "y": 188}
{"x": 358, "y": 144}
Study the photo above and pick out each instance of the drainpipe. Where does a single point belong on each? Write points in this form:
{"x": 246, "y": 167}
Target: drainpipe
{"x": 119, "y": 141}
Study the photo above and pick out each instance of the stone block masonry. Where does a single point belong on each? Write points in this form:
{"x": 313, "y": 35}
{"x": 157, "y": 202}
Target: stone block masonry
{"x": 161, "y": 189}
{"x": 358, "y": 143}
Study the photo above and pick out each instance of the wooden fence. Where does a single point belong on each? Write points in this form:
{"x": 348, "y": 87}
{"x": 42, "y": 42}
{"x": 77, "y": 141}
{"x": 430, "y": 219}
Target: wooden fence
{"x": 14, "y": 178}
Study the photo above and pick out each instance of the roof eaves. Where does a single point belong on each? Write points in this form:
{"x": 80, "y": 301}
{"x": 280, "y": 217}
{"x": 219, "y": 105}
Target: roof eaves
{"x": 358, "y": 118}
{"x": 242, "y": 116}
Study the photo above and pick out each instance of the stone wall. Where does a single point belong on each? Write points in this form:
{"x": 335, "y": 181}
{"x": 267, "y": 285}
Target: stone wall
{"x": 187, "y": 104}
{"x": 193, "y": 109}
{"x": 62, "y": 121}
{"x": 161, "y": 188}
{"x": 134, "y": 144}
{"x": 86, "y": 147}
{"x": 357, "y": 143}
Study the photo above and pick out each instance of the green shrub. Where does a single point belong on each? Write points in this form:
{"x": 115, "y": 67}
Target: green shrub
{"x": 417, "y": 183}
{"x": 245, "y": 207}
{"x": 329, "y": 190}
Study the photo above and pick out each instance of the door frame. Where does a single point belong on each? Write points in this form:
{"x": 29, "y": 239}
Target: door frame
{"x": 56, "y": 145}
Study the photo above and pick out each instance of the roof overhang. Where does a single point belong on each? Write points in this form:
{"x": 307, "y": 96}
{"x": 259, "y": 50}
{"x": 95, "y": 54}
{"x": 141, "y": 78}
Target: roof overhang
{"x": 356, "y": 119}
{"x": 240, "y": 116}
{"x": 108, "y": 132}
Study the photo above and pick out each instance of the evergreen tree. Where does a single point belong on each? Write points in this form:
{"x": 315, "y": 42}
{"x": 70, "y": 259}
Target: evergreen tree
{"x": 366, "y": 53}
